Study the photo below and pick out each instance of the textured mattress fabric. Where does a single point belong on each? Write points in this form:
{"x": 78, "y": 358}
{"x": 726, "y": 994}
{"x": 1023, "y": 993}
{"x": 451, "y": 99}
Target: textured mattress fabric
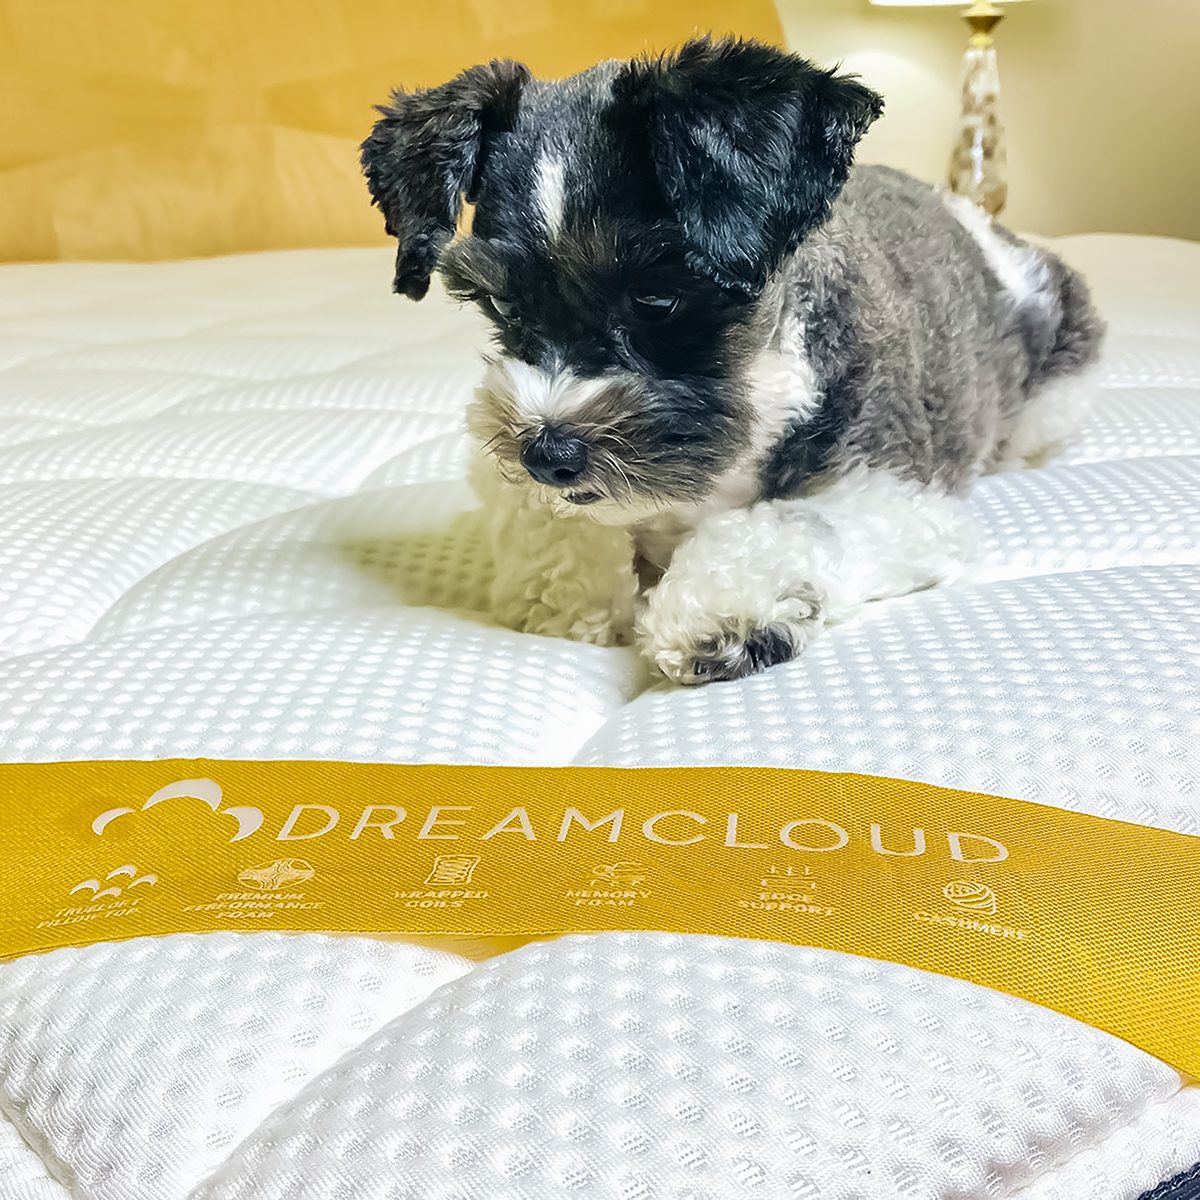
{"x": 234, "y": 523}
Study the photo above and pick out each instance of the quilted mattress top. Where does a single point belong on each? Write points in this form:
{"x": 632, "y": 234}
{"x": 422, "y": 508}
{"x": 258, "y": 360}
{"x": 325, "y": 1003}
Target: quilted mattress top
{"x": 234, "y": 523}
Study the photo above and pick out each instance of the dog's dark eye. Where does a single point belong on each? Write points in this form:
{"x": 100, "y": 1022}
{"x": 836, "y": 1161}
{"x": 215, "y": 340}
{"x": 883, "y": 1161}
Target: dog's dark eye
{"x": 506, "y": 310}
{"x": 652, "y": 307}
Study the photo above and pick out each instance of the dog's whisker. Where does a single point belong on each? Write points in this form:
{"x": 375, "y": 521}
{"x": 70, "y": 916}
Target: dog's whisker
{"x": 610, "y": 465}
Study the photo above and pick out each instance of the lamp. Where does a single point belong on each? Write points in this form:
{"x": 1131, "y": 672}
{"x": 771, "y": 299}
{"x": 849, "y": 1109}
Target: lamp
{"x": 978, "y": 167}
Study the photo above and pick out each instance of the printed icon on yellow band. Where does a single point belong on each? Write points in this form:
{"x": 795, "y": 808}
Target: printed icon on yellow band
{"x": 283, "y": 872}
{"x": 113, "y": 884}
{"x": 974, "y": 897}
{"x": 450, "y": 870}
{"x": 620, "y": 874}
{"x": 249, "y": 819}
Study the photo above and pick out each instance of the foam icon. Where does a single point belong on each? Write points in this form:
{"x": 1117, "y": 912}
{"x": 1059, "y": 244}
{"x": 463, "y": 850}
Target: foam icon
{"x": 283, "y": 872}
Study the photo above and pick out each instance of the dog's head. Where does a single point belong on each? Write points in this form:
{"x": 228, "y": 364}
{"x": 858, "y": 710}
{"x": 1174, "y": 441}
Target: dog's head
{"x": 627, "y": 223}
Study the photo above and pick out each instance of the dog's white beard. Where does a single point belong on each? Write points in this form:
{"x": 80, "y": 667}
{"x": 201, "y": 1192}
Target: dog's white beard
{"x": 515, "y": 401}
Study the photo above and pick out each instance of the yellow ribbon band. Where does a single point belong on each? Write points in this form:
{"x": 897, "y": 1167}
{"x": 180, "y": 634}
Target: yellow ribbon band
{"x": 1095, "y": 918}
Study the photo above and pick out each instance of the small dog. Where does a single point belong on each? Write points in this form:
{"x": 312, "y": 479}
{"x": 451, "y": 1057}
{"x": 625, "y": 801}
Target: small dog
{"x": 740, "y": 388}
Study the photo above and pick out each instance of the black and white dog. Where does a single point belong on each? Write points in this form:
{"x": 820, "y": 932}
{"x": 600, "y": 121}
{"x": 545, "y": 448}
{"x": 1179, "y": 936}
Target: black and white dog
{"x": 740, "y": 388}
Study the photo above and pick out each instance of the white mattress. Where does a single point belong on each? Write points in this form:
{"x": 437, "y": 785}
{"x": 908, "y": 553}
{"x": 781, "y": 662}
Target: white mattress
{"x": 234, "y": 523}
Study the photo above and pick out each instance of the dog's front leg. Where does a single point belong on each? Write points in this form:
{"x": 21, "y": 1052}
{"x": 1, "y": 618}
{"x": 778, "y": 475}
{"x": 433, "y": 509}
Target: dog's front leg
{"x": 750, "y": 587}
{"x": 562, "y": 576}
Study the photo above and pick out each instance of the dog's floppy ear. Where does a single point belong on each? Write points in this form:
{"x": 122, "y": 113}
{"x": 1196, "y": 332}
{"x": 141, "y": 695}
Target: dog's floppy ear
{"x": 425, "y": 153}
{"x": 750, "y": 145}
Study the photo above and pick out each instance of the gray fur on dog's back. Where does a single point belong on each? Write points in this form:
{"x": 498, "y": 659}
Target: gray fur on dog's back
{"x": 923, "y": 358}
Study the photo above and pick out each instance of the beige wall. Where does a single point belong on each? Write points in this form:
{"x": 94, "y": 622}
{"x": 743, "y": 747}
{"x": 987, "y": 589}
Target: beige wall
{"x": 1101, "y": 100}
{"x": 167, "y": 128}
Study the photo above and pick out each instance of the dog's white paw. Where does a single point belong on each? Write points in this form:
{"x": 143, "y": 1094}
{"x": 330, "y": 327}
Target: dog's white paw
{"x": 708, "y": 649}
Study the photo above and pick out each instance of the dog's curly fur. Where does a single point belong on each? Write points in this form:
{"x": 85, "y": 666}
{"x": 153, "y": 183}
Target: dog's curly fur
{"x": 740, "y": 387}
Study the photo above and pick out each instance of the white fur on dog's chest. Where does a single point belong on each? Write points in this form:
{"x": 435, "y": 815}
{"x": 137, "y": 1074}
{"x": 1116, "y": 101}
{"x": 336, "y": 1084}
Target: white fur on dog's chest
{"x": 655, "y": 540}
{"x": 782, "y": 390}
{"x": 783, "y": 384}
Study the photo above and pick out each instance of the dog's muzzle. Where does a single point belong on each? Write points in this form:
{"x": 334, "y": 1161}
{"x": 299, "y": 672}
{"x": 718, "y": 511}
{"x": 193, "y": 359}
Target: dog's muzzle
{"x": 555, "y": 459}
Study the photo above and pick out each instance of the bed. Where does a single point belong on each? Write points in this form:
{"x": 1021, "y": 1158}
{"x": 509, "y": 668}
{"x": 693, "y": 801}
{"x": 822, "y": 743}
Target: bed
{"x": 234, "y": 524}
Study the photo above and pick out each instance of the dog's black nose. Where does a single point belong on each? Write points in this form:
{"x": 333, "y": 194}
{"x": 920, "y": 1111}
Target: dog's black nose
{"x": 555, "y": 458}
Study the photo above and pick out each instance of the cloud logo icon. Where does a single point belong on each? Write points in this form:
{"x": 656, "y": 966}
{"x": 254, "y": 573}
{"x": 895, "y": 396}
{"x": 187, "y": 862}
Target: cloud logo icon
{"x": 249, "y": 819}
